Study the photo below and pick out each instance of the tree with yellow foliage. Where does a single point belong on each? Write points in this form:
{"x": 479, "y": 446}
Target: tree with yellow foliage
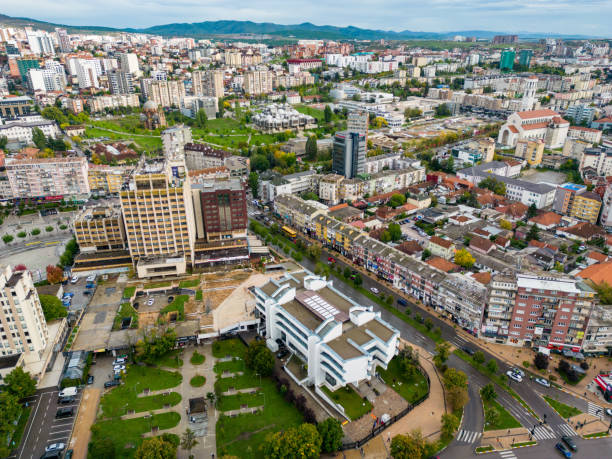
{"x": 505, "y": 224}
{"x": 464, "y": 258}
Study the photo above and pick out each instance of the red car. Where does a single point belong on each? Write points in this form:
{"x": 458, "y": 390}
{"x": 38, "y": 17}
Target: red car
{"x": 331, "y": 260}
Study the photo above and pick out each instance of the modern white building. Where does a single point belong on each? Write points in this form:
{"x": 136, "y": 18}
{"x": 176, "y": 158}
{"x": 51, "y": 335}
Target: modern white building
{"x": 129, "y": 64}
{"x": 340, "y": 341}
{"x": 544, "y": 124}
{"x": 21, "y": 131}
{"x": 40, "y": 42}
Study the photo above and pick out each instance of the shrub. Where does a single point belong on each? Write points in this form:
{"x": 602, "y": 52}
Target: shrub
{"x": 7, "y": 238}
{"x": 584, "y": 365}
{"x": 526, "y": 364}
{"x": 63, "y": 227}
{"x": 541, "y": 361}
{"x": 22, "y": 234}
{"x": 48, "y": 229}
{"x": 35, "y": 232}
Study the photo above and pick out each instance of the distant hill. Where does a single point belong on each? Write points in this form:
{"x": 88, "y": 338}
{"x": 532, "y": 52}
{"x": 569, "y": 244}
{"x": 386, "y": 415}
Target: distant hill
{"x": 305, "y": 30}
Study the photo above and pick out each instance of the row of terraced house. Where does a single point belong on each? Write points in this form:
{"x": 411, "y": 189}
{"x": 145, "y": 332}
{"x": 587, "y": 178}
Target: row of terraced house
{"x": 558, "y": 316}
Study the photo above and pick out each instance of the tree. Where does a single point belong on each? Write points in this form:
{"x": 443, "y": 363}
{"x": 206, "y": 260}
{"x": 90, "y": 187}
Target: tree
{"x": 457, "y": 397}
{"x": 260, "y": 163}
{"x": 327, "y": 114}
{"x": 464, "y": 258}
{"x": 254, "y": 183}
{"x": 532, "y": 211}
{"x": 313, "y": 252}
{"x": 426, "y": 254}
{"x": 442, "y": 110}
{"x": 533, "y": 233}
{"x": 331, "y": 434}
{"x": 505, "y": 224}
{"x": 101, "y": 448}
{"x": 479, "y": 357}
{"x": 52, "y": 307}
{"x": 38, "y": 138}
{"x": 455, "y": 378}
{"x": 156, "y": 448}
{"x": 221, "y": 107}
{"x": 494, "y": 185}
{"x": 54, "y": 274}
{"x": 488, "y": 392}
{"x": 397, "y": 200}
{"x": 3, "y": 141}
{"x": 541, "y": 361}
{"x": 395, "y": 231}
{"x": 492, "y": 366}
{"x": 201, "y": 119}
{"x": 408, "y": 446}
{"x": 259, "y": 358}
{"x": 55, "y": 114}
{"x": 188, "y": 440}
{"x": 11, "y": 408}
{"x": 303, "y": 442}
{"x": 442, "y": 353}
{"x": 491, "y": 416}
{"x": 311, "y": 148}
{"x": 450, "y": 424}
{"x": 19, "y": 383}
{"x": 153, "y": 346}
{"x": 428, "y": 324}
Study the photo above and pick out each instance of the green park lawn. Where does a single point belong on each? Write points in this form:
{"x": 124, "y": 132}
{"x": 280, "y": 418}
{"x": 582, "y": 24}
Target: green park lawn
{"x": 354, "y": 406}
{"x": 197, "y": 358}
{"x": 178, "y": 304}
{"x": 127, "y": 435}
{"x": 232, "y": 347}
{"x": 233, "y": 366}
{"x": 565, "y": 411}
{"x": 171, "y": 360}
{"x": 197, "y": 381}
{"x": 128, "y": 292}
{"x": 138, "y": 378}
{"x": 505, "y": 421}
{"x": 410, "y": 389}
{"x": 126, "y": 310}
{"x": 189, "y": 283}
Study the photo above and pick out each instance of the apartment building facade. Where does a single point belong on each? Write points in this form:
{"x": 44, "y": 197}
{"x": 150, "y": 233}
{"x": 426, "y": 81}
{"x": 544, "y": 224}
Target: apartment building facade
{"x": 40, "y": 177}
{"x": 99, "y": 228}
{"x": 23, "y": 328}
{"x": 105, "y": 179}
{"x": 165, "y": 93}
{"x": 258, "y": 82}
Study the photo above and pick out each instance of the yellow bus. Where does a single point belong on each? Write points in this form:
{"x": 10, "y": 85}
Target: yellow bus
{"x": 291, "y": 234}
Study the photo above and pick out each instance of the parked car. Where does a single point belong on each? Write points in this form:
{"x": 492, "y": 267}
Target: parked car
{"x": 331, "y": 259}
{"x": 608, "y": 411}
{"x": 52, "y": 455}
{"x": 518, "y": 371}
{"x": 55, "y": 447}
{"x": 87, "y": 292}
{"x": 69, "y": 454}
{"x": 65, "y": 412}
{"x": 119, "y": 361}
{"x": 563, "y": 450}
{"x": 65, "y": 400}
{"x": 90, "y": 285}
{"x": 374, "y": 290}
{"x": 468, "y": 350}
{"x": 571, "y": 444}
{"x": 514, "y": 376}
{"x": 170, "y": 299}
{"x": 90, "y": 379}
{"x": 111, "y": 383}
{"x": 118, "y": 367}
{"x": 542, "y": 382}
{"x": 74, "y": 279}
{"x": 150, "y": 301}
{"x": 402, "y": 302}
{"x": 68, "y": 294}
{"x": 91, "y": 278}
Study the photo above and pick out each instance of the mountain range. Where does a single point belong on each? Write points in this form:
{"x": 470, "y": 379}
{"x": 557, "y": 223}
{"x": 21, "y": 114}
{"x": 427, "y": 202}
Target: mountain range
{"x": 304, "y": 30}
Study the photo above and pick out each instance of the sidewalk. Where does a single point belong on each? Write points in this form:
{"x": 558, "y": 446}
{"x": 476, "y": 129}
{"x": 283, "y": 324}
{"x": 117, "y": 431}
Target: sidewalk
{"x": 85, "y": 419}
{"x": 505, "y": 438}
{"x": 592, "y": 424}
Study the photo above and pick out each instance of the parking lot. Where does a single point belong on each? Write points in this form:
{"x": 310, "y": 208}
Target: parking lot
{"x": 43, "y": 428}
{"x": 79, "y": 300}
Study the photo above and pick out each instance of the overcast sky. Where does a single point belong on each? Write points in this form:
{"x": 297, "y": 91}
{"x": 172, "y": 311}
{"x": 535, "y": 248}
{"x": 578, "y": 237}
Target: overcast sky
{"x": 591, "y": 17}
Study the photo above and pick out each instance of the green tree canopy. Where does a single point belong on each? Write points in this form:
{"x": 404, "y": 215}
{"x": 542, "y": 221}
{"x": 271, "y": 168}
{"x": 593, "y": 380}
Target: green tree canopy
{"x": 156, "y": 448}
{"x": 331, "y": 434}
{"x": 101, "y": 448}
{"x": 201, "y": 119}
{"x": 408, "y": 446}
{"x": 454, "y": 377}
{"x": 254, "y": 183}
{"x": 397, "y": 200}
{"x": 302, "y": 442}
{"x": 395, "y": 232}
{"x": 20, "y": 383}
{"x": 52, "y": 307}
{"x": 464, "y": 258}
{"x": 259, "y": 358}
{"x": 494, "y": 185}
{"x": 155, "y": 345}
{"x": 311, "y": 148}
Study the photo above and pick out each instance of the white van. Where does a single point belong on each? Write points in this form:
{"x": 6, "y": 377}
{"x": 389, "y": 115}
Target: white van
{"x": 68, "y": 392}
{"x": 75, "y": 279}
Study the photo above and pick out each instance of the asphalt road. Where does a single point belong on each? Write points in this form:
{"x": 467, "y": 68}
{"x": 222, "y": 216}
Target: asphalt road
{"x": 42, "y": 428}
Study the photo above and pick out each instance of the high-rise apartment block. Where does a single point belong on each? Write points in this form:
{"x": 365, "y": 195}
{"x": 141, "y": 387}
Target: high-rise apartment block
{"x": 164, "y": 93}
{"x": 507, "y": 59}
{"x": 525, "y": 56}
{"x": 23, "y": 328}
{"x": 128, "y": 63}
{"x": 38, "y": 177}
{"x": 63, "y": 39}
{"x": 174, "y": 140}
{"x": 530, "y": 150}
{"x": 40, "y": 43}
{"x": 349, "y": 153}
{"x": 208, "y": 83}
{"x": 87, "y": 71}
{"x": 158, "y": 217}
{"x": 574, "y": 200}
{"x": 258, "y": 82}
{"x": 120, "y": 82}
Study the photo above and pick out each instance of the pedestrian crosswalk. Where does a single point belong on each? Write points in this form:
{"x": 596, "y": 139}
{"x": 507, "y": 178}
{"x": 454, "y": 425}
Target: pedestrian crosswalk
{"x": 566, "y": 429}
{"x": 595, "y": 409}
{"x": 468, "y": 436}
{"x": 507, "y": 454}
{"x": 458, "y": 342}
{"x": 543, "y": 433}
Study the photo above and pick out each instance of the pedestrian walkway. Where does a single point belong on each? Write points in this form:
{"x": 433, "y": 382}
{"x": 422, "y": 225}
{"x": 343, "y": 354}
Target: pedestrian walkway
{"x": 595, "y": 410}
{"x": 468, "y": 436}
{"x": 507, "y": 454}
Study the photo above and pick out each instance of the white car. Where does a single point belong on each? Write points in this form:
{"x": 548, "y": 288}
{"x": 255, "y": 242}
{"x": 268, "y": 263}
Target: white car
{"x": 119, "y": 368}
{"x": 75, "y": 279}
{"x": 91, "y": 278}
{"x": 150, "y": 301}
{"x": 518, "y": 371}
{"x": 374, "y": 290}
{"x": 542, "y": 382}
{"x": 55, "y": 447}
{"x": 609, "y": 411}
{"x": 514, "y": 376}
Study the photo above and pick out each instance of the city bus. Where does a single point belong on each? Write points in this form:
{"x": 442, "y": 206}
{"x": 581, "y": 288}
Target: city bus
{"x": 288, "y": 232}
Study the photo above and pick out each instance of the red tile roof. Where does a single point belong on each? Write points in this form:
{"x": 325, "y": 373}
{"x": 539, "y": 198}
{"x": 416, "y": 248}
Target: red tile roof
{"x": 546, "y": 219}
{"x": 441, "y": 242}
{"x": 536, "y": 113}
{"x": 442, "y": 264}
{"x": 481, "y": 243}
{"x": 600, "y": 257}
{"x": 483, "y": 277}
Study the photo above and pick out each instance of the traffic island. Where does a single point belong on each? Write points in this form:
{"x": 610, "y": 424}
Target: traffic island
{"x": 504, "y": 439}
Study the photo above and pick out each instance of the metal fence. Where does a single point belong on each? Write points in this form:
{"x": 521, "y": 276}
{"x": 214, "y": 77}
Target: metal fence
{"x": 377, "y": 430}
